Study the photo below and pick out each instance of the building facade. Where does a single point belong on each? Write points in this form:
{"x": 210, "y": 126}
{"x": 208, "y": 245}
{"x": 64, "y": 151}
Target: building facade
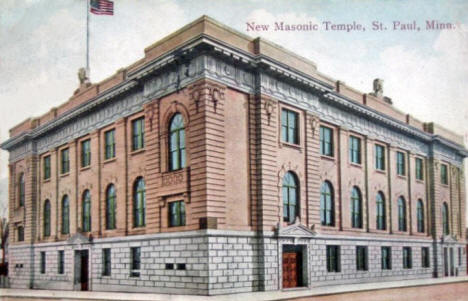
{"x": 218, "y": 164}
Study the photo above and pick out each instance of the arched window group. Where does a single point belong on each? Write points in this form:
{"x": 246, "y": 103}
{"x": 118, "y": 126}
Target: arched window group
{"x": 139, "y": 203}
{"x": 381, "y": 214}
{"x": 290, "y": 197}
{"x": 65, "y": 215}
{"x": 139, "y": 207}
{"x": 401, "y": 214}
{"x": 177, "y": 159}
{"x": 445, "y": 219}
{"x": 327, "y": 206}
{"x": 356, "y": 208}
{"x": 110, "y": 207}
{"x": 86, "y": 212}
{"x": 420, "y": 216}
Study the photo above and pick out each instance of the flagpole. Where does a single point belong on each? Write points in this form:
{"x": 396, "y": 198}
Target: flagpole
{"x": 87, "y": 39}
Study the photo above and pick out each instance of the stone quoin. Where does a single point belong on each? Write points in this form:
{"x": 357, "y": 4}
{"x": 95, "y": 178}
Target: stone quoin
{"x": 220, "y": 163}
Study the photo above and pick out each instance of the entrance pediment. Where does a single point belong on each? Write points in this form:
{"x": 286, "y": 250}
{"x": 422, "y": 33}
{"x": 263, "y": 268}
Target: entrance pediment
{"x": 295, "y": 230}
{"x": 78, "y": 239}
{"x": 448, "y": 239}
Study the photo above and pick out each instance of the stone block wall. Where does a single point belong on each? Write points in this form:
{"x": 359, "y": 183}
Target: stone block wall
{"x": 19, "y": 266}
{"x": 349, "y": 273}
{"x": 51, "y": 279}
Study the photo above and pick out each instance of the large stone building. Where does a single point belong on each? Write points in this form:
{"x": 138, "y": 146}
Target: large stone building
{"x": 219, "y": 163}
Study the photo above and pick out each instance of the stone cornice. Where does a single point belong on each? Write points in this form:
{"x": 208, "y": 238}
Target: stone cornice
{"x": 377, "y": 116}
{"x": 42, "y": 129}
{"x": 247, "y": 61}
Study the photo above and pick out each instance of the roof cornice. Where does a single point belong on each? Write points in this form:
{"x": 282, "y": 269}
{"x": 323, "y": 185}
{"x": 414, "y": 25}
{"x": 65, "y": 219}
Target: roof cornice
{"x": 248, "y": 59}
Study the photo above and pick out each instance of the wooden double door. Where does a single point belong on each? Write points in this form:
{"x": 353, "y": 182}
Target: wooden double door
{"x": 292, "y": 268}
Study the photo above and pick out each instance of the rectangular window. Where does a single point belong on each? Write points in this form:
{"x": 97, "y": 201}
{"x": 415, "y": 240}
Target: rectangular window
{"x": 109, "y": 144}
{"x": 361, "y": 258}
{"x": 401, "y": 164}
{"x": 65, "y": 160}
{"x": 177, "y": 214}
{"x": 425, "y": 257}
{"x": 61, "y": 262}
{"x": 379, "y": 157}
{"x": 333, "y": 259}
{"x": 138, "y": 134}
{"x": 135, "y": 260}
{"x": 106, "y": 262}
{"x": 355, "y": 150}
{"x": 85, "y": 153}
{"x": 443, "y": 174}
{"x": 169, "y": 266}
{"x": 386, "y": 258}
{"x": 460, "y": 256}
{"x": 43, "y": 262}
{"x": 46, "y": 167}
{"x": 326, "y": 141}
{"x": 419, "y": 169}
{"x": 407, "y": 260}
{"x": 181, "y": 266}
{"x": 289, "y": 126}
{"x": 20, "y": 233}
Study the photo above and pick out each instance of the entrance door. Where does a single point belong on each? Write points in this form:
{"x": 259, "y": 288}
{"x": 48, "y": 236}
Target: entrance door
{"x": 84, "y": 270}
{"x": 291, "y": 269}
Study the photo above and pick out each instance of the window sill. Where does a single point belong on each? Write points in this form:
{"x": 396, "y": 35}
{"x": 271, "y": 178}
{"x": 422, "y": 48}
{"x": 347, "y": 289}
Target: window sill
{"x": 419, "y": 181}
{"x": 357, "y": 165}
{"x": 328, "y": 227}
{"x": 380, "y": 231}
{"x": 329, "y": 158}
{"x": 403, "y": 177}
{"x": 46, "y": 180}
{"x": 109, "y": 160}
{"x": 85, "y": 168}
{"x": 291, "y": 145}
{"x": 63, "y": 175}
{"x": 381, "y": 171}
{"x": 444, "y": 185}
{"x": 137, "y": 151}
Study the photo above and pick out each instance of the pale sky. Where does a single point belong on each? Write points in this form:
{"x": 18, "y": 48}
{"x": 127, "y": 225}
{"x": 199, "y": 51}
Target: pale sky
{"x": 42, "y": 45}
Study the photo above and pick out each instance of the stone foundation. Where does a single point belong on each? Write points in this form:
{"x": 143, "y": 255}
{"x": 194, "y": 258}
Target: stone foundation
{"x": 215, "y": 262}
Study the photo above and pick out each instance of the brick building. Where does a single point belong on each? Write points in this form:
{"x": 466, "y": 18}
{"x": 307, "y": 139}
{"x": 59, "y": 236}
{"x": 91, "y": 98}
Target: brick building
{"x": 219, "y": 163}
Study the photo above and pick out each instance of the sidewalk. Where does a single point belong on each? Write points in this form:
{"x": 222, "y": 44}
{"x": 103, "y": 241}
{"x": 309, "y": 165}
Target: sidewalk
{"x": 12, "y": 294}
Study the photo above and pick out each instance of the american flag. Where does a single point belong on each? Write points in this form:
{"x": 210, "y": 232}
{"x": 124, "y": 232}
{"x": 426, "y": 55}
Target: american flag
{"x": 102, "y": 7}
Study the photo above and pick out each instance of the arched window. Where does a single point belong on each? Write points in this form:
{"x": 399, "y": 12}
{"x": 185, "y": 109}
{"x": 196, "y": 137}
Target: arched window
{"x": 290, "y": 197}
{"x": 445, "y": 219}
{"x": 65, "y": 215}
{"x": 46, "y": 218}
{"x": 21, "y": 193}
{"x": 420, "y": 216}
{"x": 86, "y": 211}
{"x": 139, "y": 203}
{"x": 381, "y": 214}
{"x": 356, "y": 208}
{"x": 110, "y": 207}
{"x": 401, "y": 214}
{"x": 327, "y": 206}
{"x": 176, "y": 142}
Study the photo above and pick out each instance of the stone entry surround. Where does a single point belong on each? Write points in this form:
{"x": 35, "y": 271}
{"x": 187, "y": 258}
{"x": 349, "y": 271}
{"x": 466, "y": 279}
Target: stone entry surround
{"x": 216, "y": 262}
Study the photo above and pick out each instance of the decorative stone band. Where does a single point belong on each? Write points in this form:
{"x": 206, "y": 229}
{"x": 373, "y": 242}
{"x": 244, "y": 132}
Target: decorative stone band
{"x": 186, "y": 65}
